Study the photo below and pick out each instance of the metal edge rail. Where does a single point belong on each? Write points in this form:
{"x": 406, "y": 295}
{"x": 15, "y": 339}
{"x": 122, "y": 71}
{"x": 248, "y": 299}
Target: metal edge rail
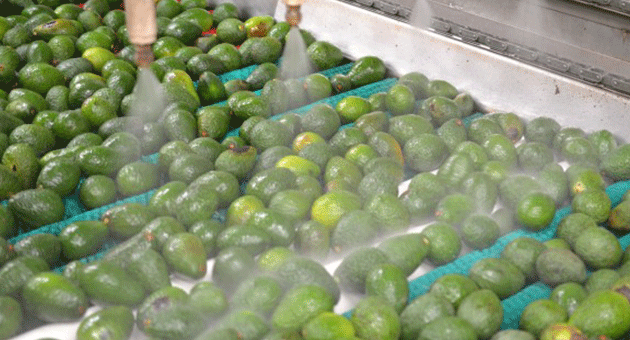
{"x": 616, "y": 6}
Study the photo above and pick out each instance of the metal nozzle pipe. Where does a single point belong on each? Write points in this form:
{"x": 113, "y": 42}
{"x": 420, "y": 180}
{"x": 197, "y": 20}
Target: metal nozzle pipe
{"x": 142, "y": 27}
{"x": 294, "y": 15}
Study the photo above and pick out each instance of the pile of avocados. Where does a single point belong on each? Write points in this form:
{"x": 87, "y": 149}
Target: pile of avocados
{"x": 268, "y": 178}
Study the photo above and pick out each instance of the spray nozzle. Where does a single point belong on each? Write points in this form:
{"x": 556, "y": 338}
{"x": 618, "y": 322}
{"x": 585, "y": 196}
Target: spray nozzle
{"x": 294, "y": 15}
{"x": 144, "y": 55}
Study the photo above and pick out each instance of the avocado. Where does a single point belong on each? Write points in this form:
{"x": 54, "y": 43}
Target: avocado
{"x": 390, "y": 283}
{"x": 276, "y": 225}
{"x": 350, "y": 108}
{"x": 242, "y": 208}
{"x": 11, "y": 313}
{"x": 425, "y": 152}
{"x": 261, "y": 74}
{"x": 454, "y": 208}
{"x": 354, "y": 268}
{"x": 268, "y": 133}
{"x": 523, "y": 252}
{"x": 195, "y": 204}
{"x": 328, "y": 208}
{"x": 569, "y": 295}
{"x": 444, "y": 242}
{"x": 450, "y": 327}
{"x": 341, "y": 169}
{"x": 21, "y": 160}
{"x": 600, "y": 280}
{"x": 149, "y": 268}
{"x": 328, "y": 325}
{"x": 344, "y": 139}
{"x": 483, "y": 310}
{"x": 540, "y": 314}
{"x": 208, "y": 298}
{"x": 317, "y": 87}
{"x": 251, "y": 238}
{"x": 594, "y": 203}
{"x": 98, "y": 160}
{"x": 40, "y": 77}
{"x": 238, "y": 161}
{"x": 53, "y": 298}
{"x": 321, "y": 119}
{"x": 440, "y": 110}
{"x": 166, "y": 314}
{"x": 615, "y": 164}
{"x": 602, "y": 313}
{"x": 106, "y": 282}
{"x": 405, "y": 127}
{"x": 96, "y": 191}
{"x": 356, "y": 228}
{"x": 498, "y": 275}
{"x": 45, "y": 246}
{"x": 185, "y": 254}
{"x": 556, "y": 266}
{"x": 275, "y": 91}
{"x": 387, "y": 325}
{"x": 390, "y": 212}
{"x": 299, "y": 305}
{"x": 421, "y": 311}
{"x": 479, "y": 231}
{"x": 312, "y": 239}
{"x": 247, "y": 324}
{"x": 298, "y": 271}
{"x": 541, "y": 129}
{"x": 115, "y": 322}
{"x": 598, "y": 248}
{"x": 366, "y": 70}
{"x": 400, "y": 99}
{"x": 259, "y": 294}
{"x": 188, "y": 167}
{"x": 268, "y": 182}
{"x": 34, "y": 208}
{"x": 121, "y": 254}
{"x": 340, "y": 83}
{"x": 181, "y": 125}
{"x": 454, "y": 287}
{"x": 535, "y": 211}
{"x": 136, "y": 178}
{"x": 127, "y": 219}
{"x": 232, "y": 265}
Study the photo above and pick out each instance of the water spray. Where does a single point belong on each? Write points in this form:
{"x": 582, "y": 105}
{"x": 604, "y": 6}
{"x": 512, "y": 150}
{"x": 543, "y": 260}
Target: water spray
{"x": 141, "y": 21}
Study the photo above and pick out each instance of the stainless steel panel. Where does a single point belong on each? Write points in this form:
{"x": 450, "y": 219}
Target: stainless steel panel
{"x": 567, "y": 29}
{"x": 498, "y": 83}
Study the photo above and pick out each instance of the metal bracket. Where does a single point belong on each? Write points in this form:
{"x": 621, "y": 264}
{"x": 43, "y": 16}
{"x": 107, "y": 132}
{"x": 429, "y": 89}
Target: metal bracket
{"x": 386, "y": 7}
{"x": 496, "y": 44}
{"x": 558, "y": 64}
{"x": 467, "y": 34}
{"x": 522, "y": 52}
